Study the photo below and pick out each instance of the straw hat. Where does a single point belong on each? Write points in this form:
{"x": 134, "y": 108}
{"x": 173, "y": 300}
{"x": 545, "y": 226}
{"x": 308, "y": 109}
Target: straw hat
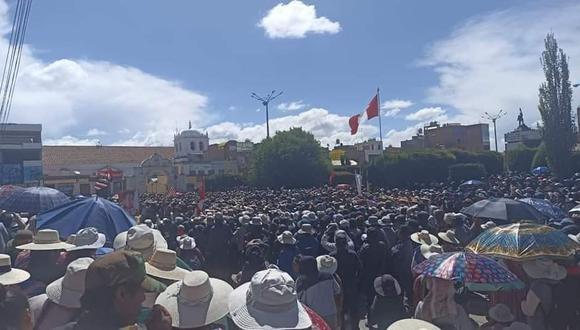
{"x": 68, "y": 290}
{"x": 423, "y": 237}
{"x": 196, "y": 301}
{"x": 544, "y": 269}
{"x": 306, "y": 228}
{"x": 326, "y": 264}
{"x": 187, "y": 243}
{"x": 414, "y": 324}
{"x": 430, "y": 250}
{"x": 45, "y": 240}
{"x": 268, "y": 301}
{"x": 87, "y": 239}
{"x": 501, "y": 313}
{"x": 143, "y": 239}
{"x": 286, "y": 238}
{"x": 163, "y": 265}
{"x": 9, "y": 275}
{"x": 449, "y": 237}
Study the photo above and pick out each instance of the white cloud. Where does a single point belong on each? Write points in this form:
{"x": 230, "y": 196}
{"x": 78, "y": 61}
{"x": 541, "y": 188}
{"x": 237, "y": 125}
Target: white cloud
{"x": 325, "y": 126}
{"x": 396, "y": 104}
{"x": 292, "y": 106}
{"x": 492, "y": 62}
{"x": 392, "y": 112}
{"x": 232, "y": 108}
{"x": 68, "y": 140}
{"x": 70, "y": 97}
{"x": 96, "y": 132}
{"x": 295, "y": 20}
{"x": 426, "y": 114}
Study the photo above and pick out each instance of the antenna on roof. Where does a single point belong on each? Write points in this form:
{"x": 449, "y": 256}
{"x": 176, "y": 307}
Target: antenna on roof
{"x": 190, "y": 124}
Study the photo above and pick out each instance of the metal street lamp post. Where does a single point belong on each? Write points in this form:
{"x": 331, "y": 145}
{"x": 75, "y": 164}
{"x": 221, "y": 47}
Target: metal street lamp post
{"x": 493, "y": 119}
{"x": 265, "y": 102}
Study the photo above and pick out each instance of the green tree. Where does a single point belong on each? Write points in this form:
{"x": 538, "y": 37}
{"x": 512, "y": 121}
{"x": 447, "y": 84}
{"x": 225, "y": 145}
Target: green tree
{"x": 290, "y": 159}
{"x": 556, "y": 108}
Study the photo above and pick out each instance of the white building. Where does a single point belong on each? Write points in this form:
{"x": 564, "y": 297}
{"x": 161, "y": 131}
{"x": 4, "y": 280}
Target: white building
{"x": 371, "y": 148}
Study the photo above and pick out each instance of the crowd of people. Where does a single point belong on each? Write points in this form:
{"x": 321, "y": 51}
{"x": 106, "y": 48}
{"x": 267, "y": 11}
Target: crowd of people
{"x": 320, "y": 258}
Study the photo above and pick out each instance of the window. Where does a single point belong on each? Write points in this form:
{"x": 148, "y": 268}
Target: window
{"x": 200, "y": 146}
{"x": 192, "y": 145}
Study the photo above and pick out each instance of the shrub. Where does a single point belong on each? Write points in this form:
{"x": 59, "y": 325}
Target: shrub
{"x": 467, "y": 171}
{"x": 520, "y": 159}
{"x": 540, "y": 158}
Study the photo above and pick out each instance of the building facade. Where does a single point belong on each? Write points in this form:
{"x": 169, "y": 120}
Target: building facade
{"x": 451, "y": 136}
{"x": 21, "y": 154}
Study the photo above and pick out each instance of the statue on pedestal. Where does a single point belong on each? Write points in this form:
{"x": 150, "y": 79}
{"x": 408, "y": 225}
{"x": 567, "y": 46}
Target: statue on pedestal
{"x": 521, "y": 119}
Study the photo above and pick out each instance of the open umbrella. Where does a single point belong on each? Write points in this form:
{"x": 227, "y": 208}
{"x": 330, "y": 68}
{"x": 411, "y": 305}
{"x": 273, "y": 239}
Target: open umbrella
{"x": 541, "y": 170}
{"x": 107, "y": 217}
{"x": 524, "y": 241}
{"x": 505, "y": 210}
{"x": 7, "y": 190}
{"x": 545, "y": 207}
{"x": 33, "y": 200}
{"x": 469, "y": 183}
{"x": 476, "y": 272}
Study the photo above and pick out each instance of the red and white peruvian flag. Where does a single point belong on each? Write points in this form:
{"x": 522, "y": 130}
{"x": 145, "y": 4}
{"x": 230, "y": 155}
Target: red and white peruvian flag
{"x": 371, "y": 111}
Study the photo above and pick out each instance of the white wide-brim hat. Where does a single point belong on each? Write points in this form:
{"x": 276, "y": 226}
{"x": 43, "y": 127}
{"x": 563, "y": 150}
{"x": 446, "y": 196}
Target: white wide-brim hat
{"x": 68, "y": 290}
{"x": 544, "y": 269}
{"x": 423, "y": 237}
{"x": 9, "y": 275}
{"x": 211, "y": 305}
{"x": 430, "y": 250}
{"x": 412, "y": 324}
{"x": 326, "y": 264}
{"x": 248, "y": 317}
{"x": 449, "y": 237}
{"x": 45, "y": 240}
{"x": 163, "y": 265}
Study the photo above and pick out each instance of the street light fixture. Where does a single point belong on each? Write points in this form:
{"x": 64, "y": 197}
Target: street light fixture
{"x": 493, "y": 119}
{"x": 265, "y": 102}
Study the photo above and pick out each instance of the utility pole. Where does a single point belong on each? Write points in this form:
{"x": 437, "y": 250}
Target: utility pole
{"x": 265, "y": 102}
{"x": 493, "y": 119}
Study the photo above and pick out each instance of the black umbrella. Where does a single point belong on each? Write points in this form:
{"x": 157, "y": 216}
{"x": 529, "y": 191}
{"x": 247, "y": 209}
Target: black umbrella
{"x": 505, "y": 210}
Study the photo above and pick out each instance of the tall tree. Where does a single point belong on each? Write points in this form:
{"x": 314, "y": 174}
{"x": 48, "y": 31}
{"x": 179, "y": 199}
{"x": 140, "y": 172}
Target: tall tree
{"x": 290, "y": 159}
{"x": 556, "y": 108}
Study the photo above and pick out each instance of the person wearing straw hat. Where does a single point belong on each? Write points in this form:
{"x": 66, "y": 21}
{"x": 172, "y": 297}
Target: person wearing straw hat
{"x": 142, "y": 239}
{"x": 449, "y": 241}
{"x": 196, "y": 301}
{"x": 9, "y": 275}
{"x": 499, "y": 318}
{"x": 40, "y": 259}
{"x": 288, "y": 251}
{"x": 388, "y": 306}
{"x": 544, "y": 275}
{"x": 62, "y": 301}
{"x": 86, "y": 242}
{"x": 318, "y": 290}
{"x": 162, "y": 266}
{"x": 190, "y": 253}
{"x": 268, "y": 301}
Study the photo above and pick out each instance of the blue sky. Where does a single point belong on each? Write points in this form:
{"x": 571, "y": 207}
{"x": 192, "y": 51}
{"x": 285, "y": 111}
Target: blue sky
{"x": 130, "y": 72}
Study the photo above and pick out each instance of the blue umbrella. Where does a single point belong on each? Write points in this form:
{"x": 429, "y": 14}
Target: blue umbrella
{"x": 108, "y": 217}
{"x": 541, "y": 170}
{"x": 33, "y": 200}
{"x": 545, "y": 207}
{"x": 472, "y": 183}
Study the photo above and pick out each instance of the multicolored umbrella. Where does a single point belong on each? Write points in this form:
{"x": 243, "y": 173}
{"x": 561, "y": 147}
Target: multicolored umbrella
{"x": 545, "y": 207}
{"x": 33, "y": 200}
{"x": 476, "y": 272}
{"x": 524, "y": 241}
{"x": 504, "y": 209}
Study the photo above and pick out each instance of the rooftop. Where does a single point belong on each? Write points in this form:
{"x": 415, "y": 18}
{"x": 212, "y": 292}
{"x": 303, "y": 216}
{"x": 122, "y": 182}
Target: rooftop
{"x": 59, "y": 156}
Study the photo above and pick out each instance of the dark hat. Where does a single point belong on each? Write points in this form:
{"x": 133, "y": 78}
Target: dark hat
{"x": 118, "y": 268}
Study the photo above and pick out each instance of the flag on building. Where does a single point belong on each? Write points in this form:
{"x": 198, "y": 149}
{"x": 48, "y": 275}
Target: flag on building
{"x": 370, "y": 112}
{"x": 171, "y": 192}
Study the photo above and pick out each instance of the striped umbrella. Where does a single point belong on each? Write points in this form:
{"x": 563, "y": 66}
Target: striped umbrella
{"x": 33, "y": 200}
{"x": 476, "y": 272}
{"x": 524, "y": 241}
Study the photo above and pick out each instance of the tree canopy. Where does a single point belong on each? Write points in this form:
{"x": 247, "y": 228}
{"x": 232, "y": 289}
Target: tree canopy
{"x": 290, "y": 159}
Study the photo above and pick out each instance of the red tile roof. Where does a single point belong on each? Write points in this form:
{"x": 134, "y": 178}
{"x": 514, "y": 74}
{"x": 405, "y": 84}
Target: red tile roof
{"x": 58, "y": 156}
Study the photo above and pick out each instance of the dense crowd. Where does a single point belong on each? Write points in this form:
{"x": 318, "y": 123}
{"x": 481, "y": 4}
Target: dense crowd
{"x": 322, "y": 258}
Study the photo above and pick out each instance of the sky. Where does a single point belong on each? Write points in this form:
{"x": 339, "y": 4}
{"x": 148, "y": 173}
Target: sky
{"x": 132, "y": 72}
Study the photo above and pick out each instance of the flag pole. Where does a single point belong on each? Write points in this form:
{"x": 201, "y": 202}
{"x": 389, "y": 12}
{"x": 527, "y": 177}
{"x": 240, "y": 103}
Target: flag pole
{"x": 380, "y": 124}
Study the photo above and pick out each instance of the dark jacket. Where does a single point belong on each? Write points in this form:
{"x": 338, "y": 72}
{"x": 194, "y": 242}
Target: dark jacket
{"x": 307, "y": 244}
